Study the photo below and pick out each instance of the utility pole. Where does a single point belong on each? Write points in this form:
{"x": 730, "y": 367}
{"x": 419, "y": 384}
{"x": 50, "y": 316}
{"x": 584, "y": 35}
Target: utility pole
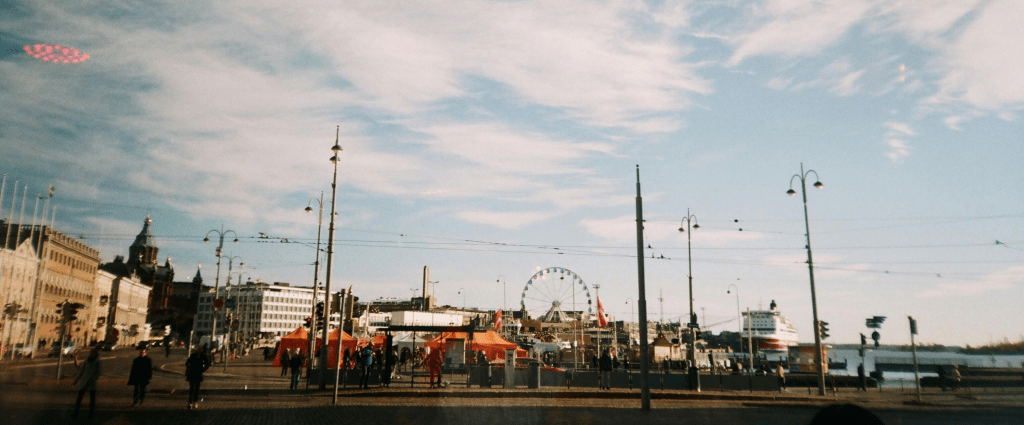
{"x": 645, "y": 388}
{"x": 330, "y": 254}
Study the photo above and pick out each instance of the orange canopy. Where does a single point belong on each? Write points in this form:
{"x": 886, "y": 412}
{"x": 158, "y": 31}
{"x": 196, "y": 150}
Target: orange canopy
{"x": 298, "y": 340}
{"x": 347, "y": 341}
{"x": 492, "y": 344}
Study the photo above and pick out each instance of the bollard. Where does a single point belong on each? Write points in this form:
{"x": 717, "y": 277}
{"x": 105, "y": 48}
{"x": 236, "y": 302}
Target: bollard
{"x": 533, "y": 376}
{"x": 568, "y": 379}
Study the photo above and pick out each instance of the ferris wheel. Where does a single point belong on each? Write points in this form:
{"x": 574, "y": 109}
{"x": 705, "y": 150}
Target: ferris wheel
{"x": 553, "y": 291}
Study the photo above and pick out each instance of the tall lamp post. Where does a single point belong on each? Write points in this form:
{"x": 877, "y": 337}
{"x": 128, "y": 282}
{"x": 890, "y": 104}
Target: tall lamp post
{"x": 216, "y": 282}
{"x": 739, "y": 315}
{"x": 227, "y": 324}
{"x": 691, "y": 355}
{"x": 336, "y": 149}
{"x": 629, "y": 335}
{"x": 810, "y": 268}
{"x": 237, "y": 311}
{"x": 316, "y": 284}
{"x": 504, "y": 303}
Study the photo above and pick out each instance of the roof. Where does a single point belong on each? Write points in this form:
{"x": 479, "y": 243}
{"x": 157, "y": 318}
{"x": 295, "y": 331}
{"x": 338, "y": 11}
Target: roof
{"x": 145, "y": 237}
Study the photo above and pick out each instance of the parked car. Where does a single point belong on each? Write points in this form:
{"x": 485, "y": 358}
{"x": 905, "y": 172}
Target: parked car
{"x": 69, "y": 348}
{"x": 107, "y": 346}
{"x": 523, "y": 363}
{"x": 22, "y": 350}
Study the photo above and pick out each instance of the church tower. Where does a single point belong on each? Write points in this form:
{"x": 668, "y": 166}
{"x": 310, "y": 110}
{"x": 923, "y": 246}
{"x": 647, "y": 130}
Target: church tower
{"x": 143, "y": 251}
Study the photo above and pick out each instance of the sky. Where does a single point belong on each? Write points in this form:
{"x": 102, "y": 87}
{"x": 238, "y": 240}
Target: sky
{"x": 490, "y": 140}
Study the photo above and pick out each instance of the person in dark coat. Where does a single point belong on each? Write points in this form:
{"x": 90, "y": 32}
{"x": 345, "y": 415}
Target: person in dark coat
{"x": 88, "y": 375}
{"x": 195, "y": 366}
{"x": 295, "y": 364}
{"x": 141, "y": 373}
{"x": 942, "y": 376}
{"x": 390, "y": 361}
{"x": 285, "y": 361}
{"x": 862, "y": 378}
{"x": 605, "y": 366}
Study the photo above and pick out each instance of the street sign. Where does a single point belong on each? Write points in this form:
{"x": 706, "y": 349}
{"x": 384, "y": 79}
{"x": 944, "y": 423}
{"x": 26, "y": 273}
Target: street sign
{"x": 692, "y": 325}
{"x": 218, "y": 303}
{"x": 231, "y": 303}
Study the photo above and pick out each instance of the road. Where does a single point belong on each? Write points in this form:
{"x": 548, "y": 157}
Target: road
{"x": 30, "y": 394}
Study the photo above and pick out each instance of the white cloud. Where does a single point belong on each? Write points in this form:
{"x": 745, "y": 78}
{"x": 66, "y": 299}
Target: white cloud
{"x": 997, "y": 281}
{"x": 982, "y": 67}
{"x": 895, "y": 140}
{"x": 898, "y": 149}
{"x": 797, "y": 28}
{"x": 504, "y": 219}
{"x": 779, "y": 83}
{"x": 587, "y": 60}
{"x": 847, "y": 84}
{"x": 926, "y": 23}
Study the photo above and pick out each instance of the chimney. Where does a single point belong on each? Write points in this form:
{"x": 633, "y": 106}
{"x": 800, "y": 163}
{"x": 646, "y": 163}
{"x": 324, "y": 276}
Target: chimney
{"x": 426, "y": 288}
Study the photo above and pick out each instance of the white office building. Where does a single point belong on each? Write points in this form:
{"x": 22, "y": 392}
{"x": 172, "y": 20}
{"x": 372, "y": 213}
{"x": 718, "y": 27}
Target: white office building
{"x": 259, "y": 309}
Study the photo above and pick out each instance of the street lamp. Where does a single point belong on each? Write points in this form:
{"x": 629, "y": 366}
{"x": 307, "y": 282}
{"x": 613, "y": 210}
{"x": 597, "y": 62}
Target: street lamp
{"x": 216, "y": 282}
{"x": 227, "y": 325}
{"x": 336, "y": 149}
{"x": 810, "y": 268}
{"x": 629, "y": 335}
{"x": 739, "y": 317}
{"x": 504, "y": 302}
{"x": 692, "y": 355}
{"x": 238, "y": 305}
{"x": 316, "y": 283}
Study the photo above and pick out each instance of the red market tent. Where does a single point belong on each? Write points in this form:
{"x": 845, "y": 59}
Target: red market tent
{"x": 332, "y": 346}
{"x": 297, "y": 340}
{"x": 492, "y": 344}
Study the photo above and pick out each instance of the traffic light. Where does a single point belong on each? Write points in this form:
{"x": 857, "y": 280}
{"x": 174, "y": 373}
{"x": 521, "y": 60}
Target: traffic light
{"x": 823, "y": 329}
{"x": 863, "y": 340}
{"x": 71, "y": 311}
{"x": 60, "y": 310}
{"x": 318, "y": 314}
{"x": 913, "y": 325}
{"x": 11, "y": 309}
{"x": 309, "y": 321}
{"x": 876, "y": 336}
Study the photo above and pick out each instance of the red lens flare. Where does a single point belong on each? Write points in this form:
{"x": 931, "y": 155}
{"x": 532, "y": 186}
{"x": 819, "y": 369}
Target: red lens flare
{"x": 56, "y": 53}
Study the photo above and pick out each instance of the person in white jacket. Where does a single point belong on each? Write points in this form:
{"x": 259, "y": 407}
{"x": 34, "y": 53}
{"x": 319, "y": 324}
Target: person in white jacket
{"x": 86, "y": 381}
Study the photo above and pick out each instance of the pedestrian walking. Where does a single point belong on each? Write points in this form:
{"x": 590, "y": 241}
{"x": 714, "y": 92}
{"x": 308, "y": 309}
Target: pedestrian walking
{"x": 167, "y": 349}
{"x": 605, "y": 366}
{"x": 195, "y": 366}
{"x": 139, "y": 376}
{"x": 434, "y": 361}
{"x": 366, "y": 362}
{"x": 390, "y": 361}
{"x": 86, "y": 381}
{"x": 862, "y": 378}
{"x": 295, "y": 363}
{"x": 956, "y": 378}
{"x": 943, "y": 379}
{"x": 285, "y": 361}
{"x": 782, "y": 376}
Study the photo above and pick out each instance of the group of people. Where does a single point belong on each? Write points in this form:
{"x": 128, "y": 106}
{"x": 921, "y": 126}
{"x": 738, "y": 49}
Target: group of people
{"x": 292, "y": 361}
{"x": 91, "y": 369}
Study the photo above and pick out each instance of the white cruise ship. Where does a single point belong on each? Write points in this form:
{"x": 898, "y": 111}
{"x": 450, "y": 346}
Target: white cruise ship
{"x": 772, "y": 333}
